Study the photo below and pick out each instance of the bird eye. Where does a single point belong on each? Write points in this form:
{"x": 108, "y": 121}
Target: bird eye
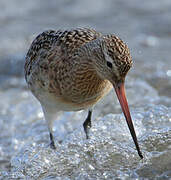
{"x": 109, "y": 64}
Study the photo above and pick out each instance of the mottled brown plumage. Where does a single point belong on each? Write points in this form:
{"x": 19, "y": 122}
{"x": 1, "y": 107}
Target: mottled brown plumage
{"x": 72, "y": 70}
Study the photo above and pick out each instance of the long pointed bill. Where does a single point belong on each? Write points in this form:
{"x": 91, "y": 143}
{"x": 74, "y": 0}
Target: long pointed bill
{"x": 120, "y": 91}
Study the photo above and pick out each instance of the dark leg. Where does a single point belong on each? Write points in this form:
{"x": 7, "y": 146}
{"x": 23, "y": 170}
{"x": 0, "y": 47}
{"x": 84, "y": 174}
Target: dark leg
{"x": 87, "y": 124}
{"x": 52, "y": 143}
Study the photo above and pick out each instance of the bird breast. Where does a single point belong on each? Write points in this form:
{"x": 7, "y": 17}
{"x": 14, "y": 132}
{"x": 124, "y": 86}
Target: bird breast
{"x": 78, "y": 86}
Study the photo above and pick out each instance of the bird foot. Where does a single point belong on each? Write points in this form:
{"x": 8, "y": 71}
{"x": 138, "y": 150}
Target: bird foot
{"x": 52, "y": 145}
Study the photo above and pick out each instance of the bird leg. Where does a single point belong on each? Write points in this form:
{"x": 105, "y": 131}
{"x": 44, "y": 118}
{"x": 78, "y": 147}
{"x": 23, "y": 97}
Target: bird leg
{"x": 87, "y": 124}
{"x": 49, "y": 117}
{"x": 52, "y": 143}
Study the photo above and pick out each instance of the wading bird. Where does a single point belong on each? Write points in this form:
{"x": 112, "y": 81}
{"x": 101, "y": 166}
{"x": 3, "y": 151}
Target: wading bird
{"x": 72, "y": 70}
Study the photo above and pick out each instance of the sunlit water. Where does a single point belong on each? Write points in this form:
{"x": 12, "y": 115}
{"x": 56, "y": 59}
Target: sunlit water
{"x": 110, "y": 152}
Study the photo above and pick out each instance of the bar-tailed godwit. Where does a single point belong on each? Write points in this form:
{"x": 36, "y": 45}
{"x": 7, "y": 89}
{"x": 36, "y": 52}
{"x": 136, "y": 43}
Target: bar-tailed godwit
{"x": 72, "y": 70}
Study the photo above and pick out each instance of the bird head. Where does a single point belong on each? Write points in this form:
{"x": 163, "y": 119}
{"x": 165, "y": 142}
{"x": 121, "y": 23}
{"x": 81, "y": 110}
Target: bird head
{"x": 115, "y": 60}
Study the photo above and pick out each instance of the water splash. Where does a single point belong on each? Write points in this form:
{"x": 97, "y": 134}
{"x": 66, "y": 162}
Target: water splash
{"x": 109, "y": 152}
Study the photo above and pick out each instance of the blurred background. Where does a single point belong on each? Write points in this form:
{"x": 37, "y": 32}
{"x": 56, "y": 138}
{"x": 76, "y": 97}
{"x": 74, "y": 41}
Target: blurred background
{"x": 144, "y": 25}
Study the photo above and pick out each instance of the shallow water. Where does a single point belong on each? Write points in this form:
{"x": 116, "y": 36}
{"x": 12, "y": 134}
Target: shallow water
{"x": 110, "y": 153}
